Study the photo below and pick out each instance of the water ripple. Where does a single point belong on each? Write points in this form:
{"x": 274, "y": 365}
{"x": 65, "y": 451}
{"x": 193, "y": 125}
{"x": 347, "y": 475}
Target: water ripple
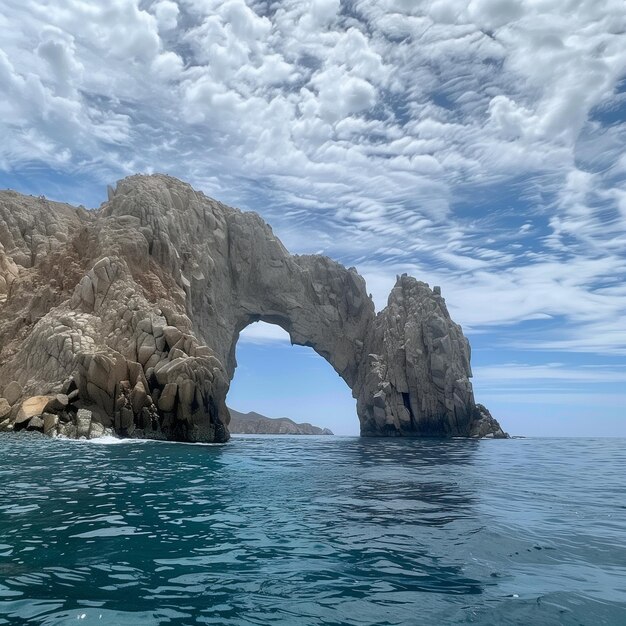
{"x": 312, "y": 531}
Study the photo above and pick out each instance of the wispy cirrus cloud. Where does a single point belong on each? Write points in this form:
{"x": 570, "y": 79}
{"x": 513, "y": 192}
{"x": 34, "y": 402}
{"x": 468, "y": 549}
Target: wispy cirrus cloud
{"x": 523, "y": 373}
{"x": 478, "y": 145}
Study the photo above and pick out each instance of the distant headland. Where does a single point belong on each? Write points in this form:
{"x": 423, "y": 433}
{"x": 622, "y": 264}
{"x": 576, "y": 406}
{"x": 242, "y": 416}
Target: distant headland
{"x": 256, "y": 424}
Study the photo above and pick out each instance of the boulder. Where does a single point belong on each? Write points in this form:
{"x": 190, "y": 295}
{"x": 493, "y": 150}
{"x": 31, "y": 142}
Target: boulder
{"x": 138, "y": 397}
{"x": 57, "y": 403}
{"x": 35, "y": 423}
{"x": 95, "y": 430}
{"x": 50, "y": 423}
{"x": 12, "y": 392}
{"x": 31, "y": 407}
{"x": 67, "y": 430}
{"x": 127, "y": 419}
{"x": 83, "y": 423}
{"x": 167, "y": 398}
{"x": 5, "y": 408}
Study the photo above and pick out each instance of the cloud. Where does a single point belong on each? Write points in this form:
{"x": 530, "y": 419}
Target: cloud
{"x": 166, "y": 13}
{"x": 478, "y": 145}
{"x": 168, "y": 66}
{"x": 582, "y": 313}
{"x": 522, "y": 373}
{"x": 263, "y": 333}
{"x": 58, "y": 49}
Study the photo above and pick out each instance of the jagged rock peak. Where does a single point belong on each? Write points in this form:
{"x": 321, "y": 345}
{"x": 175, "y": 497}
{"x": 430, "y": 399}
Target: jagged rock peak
{"x": 134, "y": 310}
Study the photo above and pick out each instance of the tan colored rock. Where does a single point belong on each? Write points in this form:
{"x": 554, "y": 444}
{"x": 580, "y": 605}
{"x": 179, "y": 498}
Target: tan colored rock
{"x": 172, "y": 335}
{"x": 57, "y": 403}
{"x": 155, "y": 288}
{"x": 50, "y": 423}
{"x": 12, "y": 392}
{"x": 167, "y": 399}
{"x": 32, "y": 407}
{"x": 138, "y": 397}
{"x": 5, "y": 408}
{"x": 35, "y": 423}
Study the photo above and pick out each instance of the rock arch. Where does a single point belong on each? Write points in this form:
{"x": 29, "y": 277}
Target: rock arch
{"x": 288, "y": 373}
{"x": 159, "y": 282}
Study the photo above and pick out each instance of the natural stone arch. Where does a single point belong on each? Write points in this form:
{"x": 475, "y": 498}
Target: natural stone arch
{"x": 160, "y": 282}
{"x": 330, "y": 383}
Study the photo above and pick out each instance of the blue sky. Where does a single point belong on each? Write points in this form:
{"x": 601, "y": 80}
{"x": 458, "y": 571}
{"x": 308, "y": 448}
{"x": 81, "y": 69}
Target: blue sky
{"x": 478, "y": 145}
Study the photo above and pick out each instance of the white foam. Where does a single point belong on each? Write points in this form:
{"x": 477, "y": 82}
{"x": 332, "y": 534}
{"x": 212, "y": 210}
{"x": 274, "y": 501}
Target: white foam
{"x": 111, "y": 440}
{"x": 108, "y": 440}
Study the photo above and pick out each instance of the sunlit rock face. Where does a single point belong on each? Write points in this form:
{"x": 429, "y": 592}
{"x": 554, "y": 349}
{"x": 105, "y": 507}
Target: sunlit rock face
{"x": 134, "y": 311}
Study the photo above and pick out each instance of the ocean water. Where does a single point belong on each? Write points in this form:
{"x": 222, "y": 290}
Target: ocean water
{"x": 313, "y": 530}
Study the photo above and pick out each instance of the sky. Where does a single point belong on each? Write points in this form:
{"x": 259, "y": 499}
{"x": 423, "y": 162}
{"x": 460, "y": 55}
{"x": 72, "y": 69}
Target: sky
{"x": 477, "y": 145}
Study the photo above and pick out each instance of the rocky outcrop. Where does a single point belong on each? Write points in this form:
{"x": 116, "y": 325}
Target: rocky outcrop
{"x": 256, "y": 424}
{"x": 54, "y": 415}
{"x": 133, "y": 312}
{"x": 485, "y": 425}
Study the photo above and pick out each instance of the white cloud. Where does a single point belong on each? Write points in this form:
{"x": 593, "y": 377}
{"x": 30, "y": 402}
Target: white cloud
{"x": 375, "y": 131}
{"x": 593, "y": 317}
{"x": 523, "y": 373}
{"x": 494, "y": 14}
{"x": 341, "y": 95}
{"x": 324, "y": 12}
{"x": 168, "y": 66}
{"x": 166, "y": 13}
{"x": 58, "y": 49}
{"x": 263, "y": 333}
{"x": 509, "y": 119}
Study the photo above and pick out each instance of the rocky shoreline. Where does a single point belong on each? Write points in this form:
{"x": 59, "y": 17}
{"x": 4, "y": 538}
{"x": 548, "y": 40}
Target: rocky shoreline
{"x": 133, "y": 312}
{"x": 60, "y": 415}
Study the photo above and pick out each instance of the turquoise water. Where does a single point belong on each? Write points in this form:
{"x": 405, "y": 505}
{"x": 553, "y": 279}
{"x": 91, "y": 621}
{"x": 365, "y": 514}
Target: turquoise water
{"x": 313, "y": 530}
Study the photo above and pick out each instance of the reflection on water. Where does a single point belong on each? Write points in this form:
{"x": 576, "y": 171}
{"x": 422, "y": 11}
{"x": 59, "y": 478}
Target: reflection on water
{"x": 307, "y": 530}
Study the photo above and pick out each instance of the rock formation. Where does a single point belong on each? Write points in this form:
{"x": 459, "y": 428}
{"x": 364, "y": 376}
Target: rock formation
{"x": 256, "y": 424}
{"x": 132, "y": 313}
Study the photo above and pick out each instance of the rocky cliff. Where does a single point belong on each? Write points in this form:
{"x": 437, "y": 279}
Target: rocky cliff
{"x": 132, "y": 314}
{"x": 256, "y": 424}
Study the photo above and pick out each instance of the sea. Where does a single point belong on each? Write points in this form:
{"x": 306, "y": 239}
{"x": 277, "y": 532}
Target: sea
{"x": 313, "y": 531}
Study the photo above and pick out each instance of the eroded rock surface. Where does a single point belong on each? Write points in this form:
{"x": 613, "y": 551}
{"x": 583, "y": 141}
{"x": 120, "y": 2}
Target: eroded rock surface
{"x": 132, "y": 312}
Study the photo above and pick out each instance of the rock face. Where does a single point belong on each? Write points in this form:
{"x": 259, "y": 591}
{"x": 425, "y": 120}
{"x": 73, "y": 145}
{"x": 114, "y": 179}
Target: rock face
{"x": 256, "y": 424}
{"x": 133, "y": 312}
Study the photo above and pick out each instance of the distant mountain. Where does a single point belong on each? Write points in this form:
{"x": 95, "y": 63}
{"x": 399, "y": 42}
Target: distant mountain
{"x": 256, "y": 424}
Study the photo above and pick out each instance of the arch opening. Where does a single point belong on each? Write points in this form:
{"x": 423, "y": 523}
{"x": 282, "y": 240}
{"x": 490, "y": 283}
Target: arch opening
{"x": 276, "y": 378}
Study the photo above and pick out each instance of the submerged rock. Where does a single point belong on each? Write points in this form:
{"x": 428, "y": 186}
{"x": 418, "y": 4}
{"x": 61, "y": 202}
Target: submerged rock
{"x": 133, "y": 312}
